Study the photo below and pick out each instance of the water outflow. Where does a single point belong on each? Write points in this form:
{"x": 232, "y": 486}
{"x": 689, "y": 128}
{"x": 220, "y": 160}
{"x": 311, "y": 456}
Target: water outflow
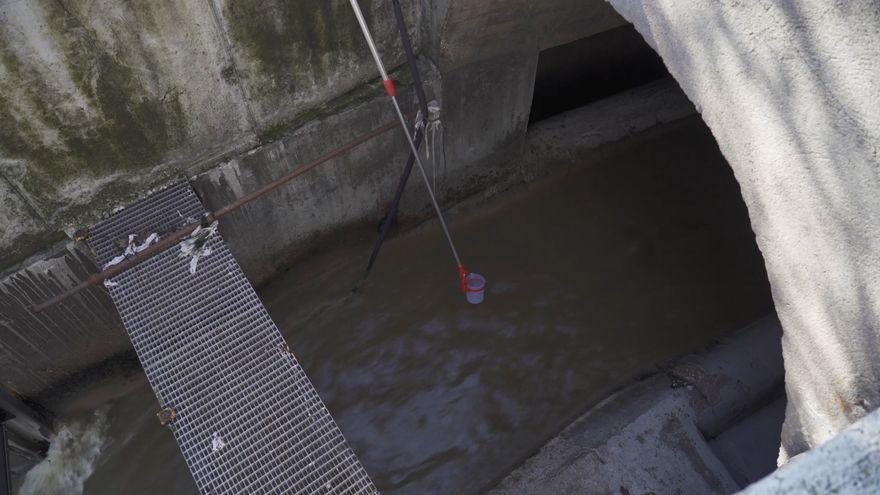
{"x": 71, "y": 458}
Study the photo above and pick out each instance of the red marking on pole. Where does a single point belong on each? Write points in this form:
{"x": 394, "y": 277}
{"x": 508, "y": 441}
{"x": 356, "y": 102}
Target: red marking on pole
{"x": 389, "y": 87}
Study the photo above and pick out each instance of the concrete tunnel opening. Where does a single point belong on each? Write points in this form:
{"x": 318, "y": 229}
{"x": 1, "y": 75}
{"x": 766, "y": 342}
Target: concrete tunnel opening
{"x": 628, "y": 328}
{"x": 615, "y": 66}
{"x": 580, "y": 72}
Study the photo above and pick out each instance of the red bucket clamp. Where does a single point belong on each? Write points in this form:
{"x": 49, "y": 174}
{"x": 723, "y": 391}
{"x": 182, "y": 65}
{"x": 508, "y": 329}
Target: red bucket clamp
{"x": 462, "y": 276}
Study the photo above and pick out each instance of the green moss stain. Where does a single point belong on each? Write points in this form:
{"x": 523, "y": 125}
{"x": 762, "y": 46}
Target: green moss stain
{"x": 26, "y": 245}
{"x": 296, "y": 43}
{"x": 131, "y": 125}
{"x": 362, "y": 93}
{"x": 133, "y": 121}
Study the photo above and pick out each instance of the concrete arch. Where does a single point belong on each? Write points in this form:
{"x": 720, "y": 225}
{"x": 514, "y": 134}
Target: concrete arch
{"x": 790, "y": 91}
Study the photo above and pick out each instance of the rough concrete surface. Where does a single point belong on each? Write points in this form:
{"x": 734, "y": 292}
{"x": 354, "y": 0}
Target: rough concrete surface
{"x": 102, "y": 100}
{"x": 658, "y": 451}
{"x": 487, "y": 55}
{"x": 306, "y": 213}
{"x": 650, "y": 437}
{"x": 848, "y": 463}
{"x": 38, "y": 350}
{"x": 26, "y": 232}
{"x": 790, "y": 91}
{"x": 293, "y": 56}
{"x": 749, "y": 448}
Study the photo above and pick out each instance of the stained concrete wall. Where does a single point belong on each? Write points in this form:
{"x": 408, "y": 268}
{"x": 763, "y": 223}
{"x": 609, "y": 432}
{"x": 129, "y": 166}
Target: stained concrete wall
{"x": 102, "y": 100}
{"x": 342, "y": 200}
{"x": 790, "y": 91}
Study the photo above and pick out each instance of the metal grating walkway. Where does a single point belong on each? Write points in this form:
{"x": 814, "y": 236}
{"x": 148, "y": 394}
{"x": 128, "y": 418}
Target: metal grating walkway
{"x": 248, "y": 419}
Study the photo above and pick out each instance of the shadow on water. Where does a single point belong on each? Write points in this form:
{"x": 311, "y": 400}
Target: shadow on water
{"x": 641, "y": 254}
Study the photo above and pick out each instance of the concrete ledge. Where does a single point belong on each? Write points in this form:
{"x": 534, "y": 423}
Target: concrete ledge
{"x": 750, "y": 448}
{"x": 848, "y": 463}
{"x": 650, "y": 437}
{"x": 564, "y": 138}
{"x": 639, "y": 441}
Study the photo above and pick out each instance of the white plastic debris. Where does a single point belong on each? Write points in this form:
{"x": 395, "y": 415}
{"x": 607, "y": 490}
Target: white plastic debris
{"x": 133, "y": 248}
{"x": 217, "y": 443}
{"x": 196, "y": 245}
{"x": 433, "y": 126}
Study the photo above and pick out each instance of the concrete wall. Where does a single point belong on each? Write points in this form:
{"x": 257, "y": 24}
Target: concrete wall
{"x": 487, "y": 53}
{"x": 341, "y": 200}
{"x": 790, "y": 91}
{"x": 848, "y": 463}
{"x": 102, "y": 100}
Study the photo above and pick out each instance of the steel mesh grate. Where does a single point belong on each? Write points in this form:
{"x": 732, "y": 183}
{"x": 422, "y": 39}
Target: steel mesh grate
{"x": 212, "y": 353}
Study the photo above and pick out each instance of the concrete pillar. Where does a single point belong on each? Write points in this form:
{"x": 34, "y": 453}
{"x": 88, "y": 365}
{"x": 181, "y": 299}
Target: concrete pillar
{"x": 790, "y": 91}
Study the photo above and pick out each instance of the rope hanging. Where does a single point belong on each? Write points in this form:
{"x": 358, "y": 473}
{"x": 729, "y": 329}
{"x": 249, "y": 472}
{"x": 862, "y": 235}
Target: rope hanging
{"x": 421, "y": 124}
{"x": 392, "y": 93}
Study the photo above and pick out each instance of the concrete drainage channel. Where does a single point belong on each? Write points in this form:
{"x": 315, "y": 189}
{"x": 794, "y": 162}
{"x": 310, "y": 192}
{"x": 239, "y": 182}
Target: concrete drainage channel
{"x": 671, "y": 413}
{"x": 706, "y": 426}
{"x": 648, "y": 437}
{"x": 228, "y": 96}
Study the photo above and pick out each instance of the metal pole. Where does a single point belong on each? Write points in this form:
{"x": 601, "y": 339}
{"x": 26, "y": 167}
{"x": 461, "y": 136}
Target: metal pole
{"x": 364, "y": 29}
{"x": 389, "y": 87}
{"x": 415, "y": 150}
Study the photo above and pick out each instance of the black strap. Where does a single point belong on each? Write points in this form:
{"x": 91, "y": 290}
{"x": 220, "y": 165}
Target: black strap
{"x": 5, "y": 473}
{"x": 410, "y": 58}
{"x": 417, "y": 140}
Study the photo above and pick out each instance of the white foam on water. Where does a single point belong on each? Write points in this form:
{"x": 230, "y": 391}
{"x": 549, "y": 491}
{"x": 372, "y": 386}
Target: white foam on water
{"x": 70, "y": 460}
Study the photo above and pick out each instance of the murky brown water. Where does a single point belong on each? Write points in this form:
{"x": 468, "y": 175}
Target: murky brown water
{"x": 641, "y": 254}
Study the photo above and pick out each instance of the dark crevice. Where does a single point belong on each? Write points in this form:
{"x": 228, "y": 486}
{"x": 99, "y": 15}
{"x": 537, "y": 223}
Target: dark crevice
{"x": 590, "y": 69}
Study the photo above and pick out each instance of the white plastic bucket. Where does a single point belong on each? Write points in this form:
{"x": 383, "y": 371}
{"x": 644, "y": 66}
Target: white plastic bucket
{"x": 476, "y": 286}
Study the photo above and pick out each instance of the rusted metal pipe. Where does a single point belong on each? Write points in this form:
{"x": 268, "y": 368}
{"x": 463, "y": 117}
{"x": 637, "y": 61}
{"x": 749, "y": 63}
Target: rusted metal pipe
{"x": 177, "y": 236}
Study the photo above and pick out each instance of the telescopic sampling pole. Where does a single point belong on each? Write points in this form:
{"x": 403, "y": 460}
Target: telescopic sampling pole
{"x": 392, "y": 92}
